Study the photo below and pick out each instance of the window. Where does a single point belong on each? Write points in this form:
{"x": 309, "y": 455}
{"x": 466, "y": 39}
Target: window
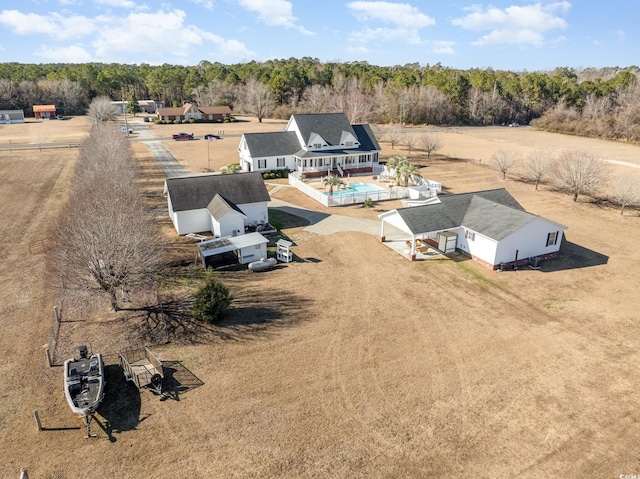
{"x": 552, "y": 238}
{"x": 317, "y": 145}
{"x": 262, "y": 164}
{"x": 349, "y": 143}
{"x": 470, "y": 235}
{"x": 280, "y": 161}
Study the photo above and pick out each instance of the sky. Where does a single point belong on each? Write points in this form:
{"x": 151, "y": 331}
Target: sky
{"x": 517, "y": 35}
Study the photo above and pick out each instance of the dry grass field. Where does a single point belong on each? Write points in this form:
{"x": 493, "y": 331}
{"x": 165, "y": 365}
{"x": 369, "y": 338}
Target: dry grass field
{"x": 350, "y": 361}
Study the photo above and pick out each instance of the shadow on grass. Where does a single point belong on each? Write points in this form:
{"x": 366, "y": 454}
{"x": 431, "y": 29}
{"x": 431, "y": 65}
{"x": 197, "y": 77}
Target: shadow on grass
{"x": 573, "y": 256}
{"x": 178, "y": 380}
{"x": 120, "y": 407}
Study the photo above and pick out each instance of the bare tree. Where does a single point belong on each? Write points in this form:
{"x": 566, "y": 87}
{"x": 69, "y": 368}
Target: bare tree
{"x": 627, "y": 192}
{"x": 579, "y": 172}
{"x": 430, "y": 142}
{"x": 409, "y": 141}
{"x": 537, "y": 166}
{"x": 316, "y": 98}
{"x": 394, "y": 135}
{"x": 105, "y": 236}
{"x": 101, "y": 109}
{"x": 259, "y": 99}
{"x": 503, "y": 161}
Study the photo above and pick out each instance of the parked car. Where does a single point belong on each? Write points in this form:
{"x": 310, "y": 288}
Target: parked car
{"x": 183, "y": 136}
{"x": 211, "y": 136}
{"x": 124, "y": 129}
{"x": 514, "y": 125}
{"x": 145, "y": 119}
{"x": 60, "y": 117}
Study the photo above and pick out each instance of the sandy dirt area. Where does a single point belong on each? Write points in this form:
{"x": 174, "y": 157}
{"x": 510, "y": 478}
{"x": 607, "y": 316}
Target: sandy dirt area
{"x": 349, "y": 362}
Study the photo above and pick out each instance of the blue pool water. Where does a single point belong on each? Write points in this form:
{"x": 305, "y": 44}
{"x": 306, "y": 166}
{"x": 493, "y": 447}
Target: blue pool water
{"x": 356, "y": 188}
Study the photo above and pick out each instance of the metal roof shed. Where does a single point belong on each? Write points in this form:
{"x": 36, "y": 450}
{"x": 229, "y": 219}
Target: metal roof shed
{"x": 246, "y": 248}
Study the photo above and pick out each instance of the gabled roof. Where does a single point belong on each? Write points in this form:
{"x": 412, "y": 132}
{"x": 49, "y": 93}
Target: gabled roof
{"x": 329, "y": 126}
{"x": 490, "y": 212}
{"x": 215, "y": 110}
{"x": 196, "y": 192}
{"x": 367, "y": 138}
{"x": 272, "y": 144}
{"x": 43, "y": 108}
{"x": 218, "y": 207}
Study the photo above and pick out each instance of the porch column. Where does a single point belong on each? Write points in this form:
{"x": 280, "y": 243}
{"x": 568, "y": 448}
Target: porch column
{"x": 412, "y": 255}
{"x": 382, "y": 238}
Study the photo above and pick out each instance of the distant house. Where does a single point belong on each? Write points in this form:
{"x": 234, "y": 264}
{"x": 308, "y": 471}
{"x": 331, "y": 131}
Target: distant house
{"x": 189, "y": 111}
{"x": 489, "y": 226}
{"x": 313, "y": 144}
{"x": 11, "y": 116}
{"x": 146, "y": 106}
{"x": 222, "y": 204}
{"x": 44, "y": 111}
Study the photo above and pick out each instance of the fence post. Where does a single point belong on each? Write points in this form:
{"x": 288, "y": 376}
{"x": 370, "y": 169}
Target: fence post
{"x": 48, "y": 353}
{"x": 56, "y": 313}
{"x": 37, "y": 420}
{"x": 23, "y": 473}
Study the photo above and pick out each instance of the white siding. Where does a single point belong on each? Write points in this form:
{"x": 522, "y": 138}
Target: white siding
{"x": 231, "y": 224}
{"x": 252, "y": 253}
{"x": 192, "y": 221}
{"x": 530, "y": 241}
{"x": 481, "y": 247}
{"x": 255, "y": 212}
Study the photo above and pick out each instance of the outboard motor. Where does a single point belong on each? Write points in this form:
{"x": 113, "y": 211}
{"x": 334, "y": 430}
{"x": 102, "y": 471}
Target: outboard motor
{"x": 82, "y": 351}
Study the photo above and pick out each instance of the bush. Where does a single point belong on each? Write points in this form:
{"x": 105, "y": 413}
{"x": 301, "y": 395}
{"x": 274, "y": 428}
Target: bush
{"x": 176, "y": 122}
{"x": 265, "y": 176}
{"x": 368, "y": 203}
{"x": 192, "y": 120}
{"x": 272, "y": 175}
{"x": 278, "y": 174}
{"x": 185, "y": 121}
{"x": 226, "y": 120}
{"x": 212, "y": 301}
{"x": 233, "y": 119}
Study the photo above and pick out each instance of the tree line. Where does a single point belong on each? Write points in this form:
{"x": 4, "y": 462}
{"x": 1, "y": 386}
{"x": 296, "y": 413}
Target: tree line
{"x": 411, "y": 93}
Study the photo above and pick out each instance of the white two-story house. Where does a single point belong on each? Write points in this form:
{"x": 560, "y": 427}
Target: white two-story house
{"x": 314, "y": 144}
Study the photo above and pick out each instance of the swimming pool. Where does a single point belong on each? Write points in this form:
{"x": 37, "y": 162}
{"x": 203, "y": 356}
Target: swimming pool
{"x": 356, "y": 188}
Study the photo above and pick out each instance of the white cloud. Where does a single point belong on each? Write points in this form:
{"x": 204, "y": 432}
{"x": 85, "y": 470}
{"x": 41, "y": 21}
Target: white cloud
{"x": 116, "y": 3}
{"x": 54, "y": 24}
{"x": 442, "y": 47}
{"x": 405, "y": 20}
{"x": 208, "y": 4}
{"x": 277, "y": 13}
{"x": 618, "y": 33}
{"x": 71, "y": 54}
{"x": 400, "y": 14}
{"x": 163, "y": 33}
{"x": 524, "y": 25}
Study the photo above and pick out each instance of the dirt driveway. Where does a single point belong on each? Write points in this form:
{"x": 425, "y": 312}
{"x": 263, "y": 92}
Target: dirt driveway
{"x": 351, "y": 361}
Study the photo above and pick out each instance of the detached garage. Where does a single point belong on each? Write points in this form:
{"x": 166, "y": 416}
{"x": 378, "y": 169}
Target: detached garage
{"x": 232, "y": 250}
{"x": 11, "y": 116}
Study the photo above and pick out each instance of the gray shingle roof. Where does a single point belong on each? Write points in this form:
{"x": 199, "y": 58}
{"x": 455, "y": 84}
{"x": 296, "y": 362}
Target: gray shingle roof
{"x": 479, "y": 215}
{"x": 329, "y": 126}
{"x": 218, "y": 207}
{"x": 196, "y": 192}
{"x": 272, "y": 144}
{"x": 367, "y": 139}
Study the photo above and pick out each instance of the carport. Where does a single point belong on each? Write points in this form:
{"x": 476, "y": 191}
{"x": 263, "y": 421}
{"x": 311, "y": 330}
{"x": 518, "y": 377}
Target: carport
{"x": 233, "y": 249}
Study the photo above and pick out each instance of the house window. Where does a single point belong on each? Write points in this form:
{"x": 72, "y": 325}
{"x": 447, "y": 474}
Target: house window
{"x": 470, "y": 235}
{"x": 552, "y": 238}
{"x": 349, "y": 143}
{"x": 280, "y": 161}
{"x": 363, "y": 158}
{"x": 319, "y": 162}
{"x": 262, "y": 164}
{"x": 317, "y": 145}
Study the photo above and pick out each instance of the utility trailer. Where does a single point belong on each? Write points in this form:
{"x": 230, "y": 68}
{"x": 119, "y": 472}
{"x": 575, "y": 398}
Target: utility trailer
{"x": 142, "y": 368}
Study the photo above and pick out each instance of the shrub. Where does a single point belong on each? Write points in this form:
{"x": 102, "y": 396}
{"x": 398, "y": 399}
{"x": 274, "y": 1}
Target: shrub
{"x": 192, "y": 120}
{"x": 176, "y": 122}
{"x": 368, "y": 203}
{"x": 226, "y": 120}
{"x": 265, "y": 176}
{"x": 211, "y": 301}
{"x": 278, "y": 174}
{"x": 272, "y": 175}
{"x": 233, "y": 119}
{"x": 185, "y": 121}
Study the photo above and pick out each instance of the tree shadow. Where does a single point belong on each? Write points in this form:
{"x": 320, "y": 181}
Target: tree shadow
{"x": 573, "y": 256}
{"x": 306, "y": 216}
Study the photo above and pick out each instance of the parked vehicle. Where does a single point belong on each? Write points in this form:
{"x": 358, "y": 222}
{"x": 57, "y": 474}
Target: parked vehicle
{"x": 183, "y": 136}
{"x": 141, "y": 367}
{"x": 211, "y": 136}
{"x": 145, "y": 119}
{"x": 124, "y": 129}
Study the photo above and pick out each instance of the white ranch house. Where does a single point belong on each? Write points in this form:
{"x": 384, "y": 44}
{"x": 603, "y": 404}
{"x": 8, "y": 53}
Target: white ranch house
{"x": 225, "y": 205}
{"x": 313, "y": 144}
{"x": 489, "y": 226}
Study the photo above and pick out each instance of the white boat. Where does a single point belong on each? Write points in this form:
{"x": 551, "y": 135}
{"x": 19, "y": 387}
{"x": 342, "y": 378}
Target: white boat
{"x": 84, "y": 382}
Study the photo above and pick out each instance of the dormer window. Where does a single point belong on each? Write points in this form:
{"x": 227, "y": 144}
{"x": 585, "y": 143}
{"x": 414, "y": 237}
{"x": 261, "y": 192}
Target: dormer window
{"x": 317, "y": 145}
{"x": 349, "y": 143}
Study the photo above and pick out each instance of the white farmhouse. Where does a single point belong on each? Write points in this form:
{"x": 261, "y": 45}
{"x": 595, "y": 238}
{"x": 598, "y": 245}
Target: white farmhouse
{"x": 221, "y": 204}
{"x": 314, "y": 144}
{"x": 489, "y": 226}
